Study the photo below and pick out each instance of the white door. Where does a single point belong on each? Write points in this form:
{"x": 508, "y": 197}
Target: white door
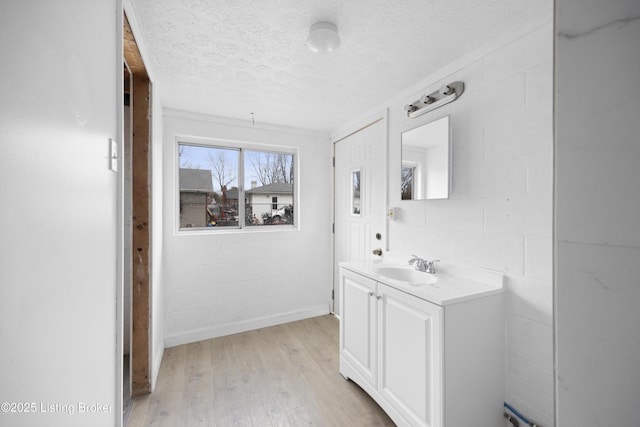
{"x": 360, "y": 197}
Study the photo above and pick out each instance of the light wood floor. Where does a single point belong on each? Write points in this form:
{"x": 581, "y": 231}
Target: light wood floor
{"x": 285, "y": 375}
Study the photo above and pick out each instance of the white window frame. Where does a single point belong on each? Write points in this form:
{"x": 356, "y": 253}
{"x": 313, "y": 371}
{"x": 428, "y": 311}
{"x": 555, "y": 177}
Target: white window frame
{"x": 242, "y": 146}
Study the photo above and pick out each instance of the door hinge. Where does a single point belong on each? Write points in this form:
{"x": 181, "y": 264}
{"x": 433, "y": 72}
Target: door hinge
{"x": 333, "y": 294}
{"x": 333, "y": 228}
{"x": 333, "y": 161}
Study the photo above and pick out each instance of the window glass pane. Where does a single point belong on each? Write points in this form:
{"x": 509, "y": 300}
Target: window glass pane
{"x": 408, "y": 173}
{"x": 355, "y": 193}
{"x": 208, "y": 185}
{"x": 268, "y": 187}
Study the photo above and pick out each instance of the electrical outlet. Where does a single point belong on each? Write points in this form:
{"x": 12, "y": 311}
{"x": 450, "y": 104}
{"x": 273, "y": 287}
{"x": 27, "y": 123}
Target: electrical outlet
{"x": 391, "y": 214}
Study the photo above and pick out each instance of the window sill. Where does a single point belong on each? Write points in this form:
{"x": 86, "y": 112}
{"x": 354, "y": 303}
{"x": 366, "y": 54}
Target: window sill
{"x": 246, "y": 230}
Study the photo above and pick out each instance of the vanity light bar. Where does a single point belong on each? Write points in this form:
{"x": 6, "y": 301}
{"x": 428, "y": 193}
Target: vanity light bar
{"x": 444, "y": 95}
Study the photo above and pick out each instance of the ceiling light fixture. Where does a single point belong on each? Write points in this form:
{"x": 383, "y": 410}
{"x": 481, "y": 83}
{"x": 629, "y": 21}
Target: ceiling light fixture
{"x": 323, "y": 37}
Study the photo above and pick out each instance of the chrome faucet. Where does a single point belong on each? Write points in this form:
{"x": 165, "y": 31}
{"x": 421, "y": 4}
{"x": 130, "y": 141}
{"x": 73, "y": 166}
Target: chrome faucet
{"x": 423, "y": 265}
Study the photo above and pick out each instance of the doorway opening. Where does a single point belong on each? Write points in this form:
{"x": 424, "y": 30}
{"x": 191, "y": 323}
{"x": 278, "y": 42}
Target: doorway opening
{"x": 137, "y": 224}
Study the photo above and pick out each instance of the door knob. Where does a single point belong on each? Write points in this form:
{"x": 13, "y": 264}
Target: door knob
{"x": 377, "y": 252}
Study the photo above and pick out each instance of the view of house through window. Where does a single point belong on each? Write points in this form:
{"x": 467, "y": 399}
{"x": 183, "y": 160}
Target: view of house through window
{"x": 234, "y": 187}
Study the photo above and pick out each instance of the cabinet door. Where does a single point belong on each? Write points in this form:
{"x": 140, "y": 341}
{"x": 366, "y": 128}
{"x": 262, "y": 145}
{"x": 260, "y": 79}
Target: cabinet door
{"x": 358, "y": 324}
{"x": 410, "y": 345}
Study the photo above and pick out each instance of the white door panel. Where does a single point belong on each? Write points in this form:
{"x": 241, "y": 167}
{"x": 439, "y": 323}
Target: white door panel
{"x": 410, "y": 365}
{"x": 358, "y": 327}
{"x": 355, "y": 234}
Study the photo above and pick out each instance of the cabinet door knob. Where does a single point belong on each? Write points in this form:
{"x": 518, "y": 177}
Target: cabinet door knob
{"x": 371, "y": 293}
{"x": 378, "y": 296}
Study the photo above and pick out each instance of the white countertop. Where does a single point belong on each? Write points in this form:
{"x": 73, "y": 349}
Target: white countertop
{"x": 455, "y": 284}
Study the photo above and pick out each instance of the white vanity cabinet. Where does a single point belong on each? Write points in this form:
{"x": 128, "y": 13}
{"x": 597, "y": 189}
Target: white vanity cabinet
{"x": 358, "y": 326}
{"x": 425, "y": 364}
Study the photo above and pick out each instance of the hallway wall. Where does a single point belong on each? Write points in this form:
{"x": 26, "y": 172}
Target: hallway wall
{"x": 59, "y": 102}
{"x": 597, "y": 229}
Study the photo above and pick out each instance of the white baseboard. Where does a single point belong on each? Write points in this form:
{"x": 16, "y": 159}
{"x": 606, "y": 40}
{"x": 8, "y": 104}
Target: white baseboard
{"x": 242, "y": 326}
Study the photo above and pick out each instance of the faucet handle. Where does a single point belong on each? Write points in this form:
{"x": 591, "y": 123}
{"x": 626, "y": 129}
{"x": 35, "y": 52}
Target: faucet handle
{"x": 431, "y": 268}
{"x": 415, "y": 258}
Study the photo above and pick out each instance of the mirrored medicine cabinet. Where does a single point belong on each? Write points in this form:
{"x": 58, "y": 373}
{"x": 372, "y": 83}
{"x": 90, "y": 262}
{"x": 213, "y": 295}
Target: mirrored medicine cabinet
{"x": 425, "y": 161}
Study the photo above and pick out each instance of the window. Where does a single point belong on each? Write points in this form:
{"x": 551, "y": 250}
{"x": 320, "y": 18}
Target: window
{"x": 408, "y": 173}
{"x": 213, "y": 179}
{"x": 355, "y": 192}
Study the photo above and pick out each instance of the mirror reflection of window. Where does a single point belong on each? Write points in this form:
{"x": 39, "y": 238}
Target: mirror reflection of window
{"x": 408, "y": 173}
{"x": 355, "y": 193}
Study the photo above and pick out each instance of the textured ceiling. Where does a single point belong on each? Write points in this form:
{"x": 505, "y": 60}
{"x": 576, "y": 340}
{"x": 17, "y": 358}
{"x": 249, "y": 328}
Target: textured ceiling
{"x": 234, "y": 58}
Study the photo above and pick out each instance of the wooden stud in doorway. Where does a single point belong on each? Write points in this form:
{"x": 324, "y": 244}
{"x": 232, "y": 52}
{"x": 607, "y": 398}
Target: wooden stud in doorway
{"x": 140, "y": 99}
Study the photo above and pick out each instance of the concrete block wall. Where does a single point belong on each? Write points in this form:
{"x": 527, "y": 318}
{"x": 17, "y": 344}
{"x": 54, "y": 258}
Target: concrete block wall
{"x": 217, "y": 283}
{"x": 499, "y": 214}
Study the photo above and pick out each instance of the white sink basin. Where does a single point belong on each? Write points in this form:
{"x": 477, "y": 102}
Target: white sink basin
{"x": 407, "y": 274}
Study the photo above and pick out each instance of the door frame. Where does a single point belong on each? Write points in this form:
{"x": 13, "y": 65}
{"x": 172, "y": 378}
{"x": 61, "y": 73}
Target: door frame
{"x": 140, "y": 257}
{"x": 371, "y": 120}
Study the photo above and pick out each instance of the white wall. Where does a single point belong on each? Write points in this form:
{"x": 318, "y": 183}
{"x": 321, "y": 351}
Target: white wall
{"x": 216, "y": 284}
{"x": 597, "y": 229}
{"x": 499, "y": 215}
{"x": 59, "y": 99}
